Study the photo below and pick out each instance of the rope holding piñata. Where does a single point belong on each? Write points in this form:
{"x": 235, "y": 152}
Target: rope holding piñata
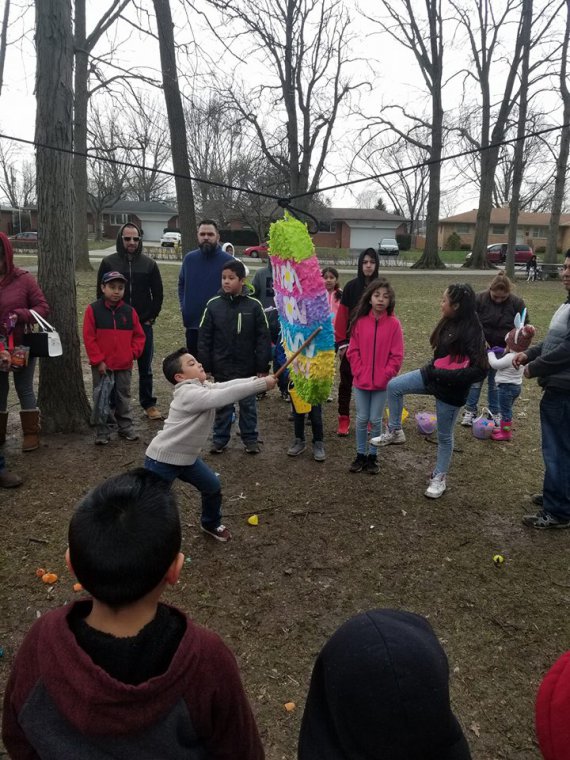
{"x": 301, "y": 301}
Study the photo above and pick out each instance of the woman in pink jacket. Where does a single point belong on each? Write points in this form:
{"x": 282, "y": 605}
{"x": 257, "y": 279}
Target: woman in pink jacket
{"x": 375, "y": 353}
{"x": 19, "y": 292}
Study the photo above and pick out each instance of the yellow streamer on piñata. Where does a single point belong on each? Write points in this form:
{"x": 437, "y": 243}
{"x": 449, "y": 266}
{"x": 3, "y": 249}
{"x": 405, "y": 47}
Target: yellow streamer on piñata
{"x": 302, "y": 305}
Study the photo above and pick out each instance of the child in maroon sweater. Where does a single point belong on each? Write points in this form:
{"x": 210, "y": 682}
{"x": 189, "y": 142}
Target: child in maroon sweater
{"x": 122, "y": 674}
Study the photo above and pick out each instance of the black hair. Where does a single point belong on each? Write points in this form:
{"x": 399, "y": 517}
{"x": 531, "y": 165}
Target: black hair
{"x": 209, "y": 221}
{"x": 467, "y": 330}
{"x": 363, "y": 307}
{"x": 337, "y": 289}
{"x": 236, "y": 266}
{"x": 124, "y": 536}
{"x": 172, "y": 364}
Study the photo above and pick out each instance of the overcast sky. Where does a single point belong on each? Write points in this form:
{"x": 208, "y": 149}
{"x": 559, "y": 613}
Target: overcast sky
{"x": 391, "y": 70}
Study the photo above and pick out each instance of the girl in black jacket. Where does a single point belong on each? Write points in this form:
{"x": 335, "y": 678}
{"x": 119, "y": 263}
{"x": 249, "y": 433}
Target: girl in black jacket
{"x": 459, "y": 359}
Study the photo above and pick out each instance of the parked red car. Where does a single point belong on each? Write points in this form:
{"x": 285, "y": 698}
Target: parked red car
{"x": 257, "y": 251}
{"x": 25, "y": 239}
{"x": 497, "y": 253}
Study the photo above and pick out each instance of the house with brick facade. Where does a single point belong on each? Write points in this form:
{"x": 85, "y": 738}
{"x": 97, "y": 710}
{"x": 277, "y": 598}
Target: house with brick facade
{"x": 356, "y": 228}
{"x": 532, "y": 228}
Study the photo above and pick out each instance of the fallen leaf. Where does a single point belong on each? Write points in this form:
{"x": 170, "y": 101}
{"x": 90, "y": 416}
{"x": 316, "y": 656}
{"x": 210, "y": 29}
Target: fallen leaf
{"x": 476, "y": 728}
{"x": 289, "y": 706}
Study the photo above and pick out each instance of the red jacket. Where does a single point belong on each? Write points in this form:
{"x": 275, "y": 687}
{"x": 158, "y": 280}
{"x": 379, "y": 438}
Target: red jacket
{"x": 375, "y": 351}
{"x": 19, "y": 292}
{"x": 112, "y": 335}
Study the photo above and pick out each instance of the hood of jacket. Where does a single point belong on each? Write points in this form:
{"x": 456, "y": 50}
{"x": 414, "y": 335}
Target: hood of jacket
{"x": 121, "y": 246}
{"x": 380, "y": 689}
{"x": 8, "y": 256}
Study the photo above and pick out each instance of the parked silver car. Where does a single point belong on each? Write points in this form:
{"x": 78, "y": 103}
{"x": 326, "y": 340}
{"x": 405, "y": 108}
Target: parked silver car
{"x": 388, "y": 247}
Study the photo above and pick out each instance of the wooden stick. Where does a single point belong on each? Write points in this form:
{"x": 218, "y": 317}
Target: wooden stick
{"x": 311, "y": 337}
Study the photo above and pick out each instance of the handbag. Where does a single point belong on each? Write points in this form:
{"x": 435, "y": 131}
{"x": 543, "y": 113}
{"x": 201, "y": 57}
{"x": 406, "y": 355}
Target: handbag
{"x": 46, "y": 341}
{"x": 102, "y": 399}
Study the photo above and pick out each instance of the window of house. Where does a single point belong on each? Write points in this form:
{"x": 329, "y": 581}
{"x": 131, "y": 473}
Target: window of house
{"x": 118, "y": 219}
{"x": 462, "y": 229}
{"x": 498, "y": 229}
{"x": 327, "y": 226}
{"x": 539, "y": 232}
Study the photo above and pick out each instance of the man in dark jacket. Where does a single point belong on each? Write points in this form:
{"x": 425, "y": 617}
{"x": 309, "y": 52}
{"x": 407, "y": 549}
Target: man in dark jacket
{"x": 234, "y": 342}
{"x": 549, "y": 361}
{"x": 144, "y": 293}
{"x": 367, "y": 270}
{"x": 199, "y": 280}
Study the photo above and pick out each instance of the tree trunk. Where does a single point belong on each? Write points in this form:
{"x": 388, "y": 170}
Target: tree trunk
{"x": 4, "y": 41}
{"x": 80, "y": 140}
{"x": 518, "y": 158}
{"x": 61, "y": 395}
{"x": 562, "y": 163}
{"x": 180, "y": 163}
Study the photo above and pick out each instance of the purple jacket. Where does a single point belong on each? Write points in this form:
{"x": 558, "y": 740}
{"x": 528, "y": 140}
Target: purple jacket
{"x": 19, "y": 292}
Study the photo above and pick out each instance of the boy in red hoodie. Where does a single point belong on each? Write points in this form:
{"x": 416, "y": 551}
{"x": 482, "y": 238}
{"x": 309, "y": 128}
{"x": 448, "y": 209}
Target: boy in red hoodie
{"x": 113, "y": 337}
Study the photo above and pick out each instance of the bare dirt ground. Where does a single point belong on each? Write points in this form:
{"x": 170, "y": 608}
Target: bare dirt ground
{"x": 330, "y": 544}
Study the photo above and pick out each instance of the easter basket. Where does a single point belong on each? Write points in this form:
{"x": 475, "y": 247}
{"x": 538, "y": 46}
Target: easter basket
{"x": 483, "y": 426}
{"x": 426, "y": 423}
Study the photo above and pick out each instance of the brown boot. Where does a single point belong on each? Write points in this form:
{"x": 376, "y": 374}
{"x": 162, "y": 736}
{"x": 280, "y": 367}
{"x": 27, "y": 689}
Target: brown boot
{"x": 9, "y": 480}
{"x": 30, "y": 419}
{"x": 3, "y": 424}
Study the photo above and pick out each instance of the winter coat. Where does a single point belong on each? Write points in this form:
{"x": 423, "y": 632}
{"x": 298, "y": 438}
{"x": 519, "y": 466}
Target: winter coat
{"x": 234, "y": 340}
{"x": 350, "y": 298}
{"x": 498, "y": 318}
{"x": 112, "y": 335}
{"x": 549, "y": 361}
{"x": 143, "y": 289}
{"x": 452, "y": 385}
{"x": 375, "y": 351}
{"x": 263, "y": 290}
{"x": 199, "y": 280}
{"x": 19, "y": 292}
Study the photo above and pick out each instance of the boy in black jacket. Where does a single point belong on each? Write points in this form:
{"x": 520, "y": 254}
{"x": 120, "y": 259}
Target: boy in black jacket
{"x": 234, "y": 342}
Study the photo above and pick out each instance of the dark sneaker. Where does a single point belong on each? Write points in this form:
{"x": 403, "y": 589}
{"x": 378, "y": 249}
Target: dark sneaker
{"x": 544, "y": 520}
{"x": 537, "y": 499}
{"x": 218, "y": 448}
{"x": 319, "y": 451}
{"x": 102, "y": 440}
{"x": 285, "y": 396}
{"x": 221, "y": 533}
{"x": 297, "y": 447}
{"x": 359, "y": 463}
{"x": 130, "y": 436}
{"x": 372, "y": 467}
{"x": 252, "y": 447}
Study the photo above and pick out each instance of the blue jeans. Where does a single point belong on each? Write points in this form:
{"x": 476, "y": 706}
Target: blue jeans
{"x": 554, "y": 425}
{"x": 247, "y": 422}
{"x": 201, "y": 477}
{"x": 412, "y": 382}
{"x": 279, "y": 359}
{"x": 24, "y": 385}
{"x": 369, "y": 408}
{"x": 144, "y": 363}
{"x": 192, "y": 341}
{"x": 475, "y": 392}
{"x": 508, "y": 394}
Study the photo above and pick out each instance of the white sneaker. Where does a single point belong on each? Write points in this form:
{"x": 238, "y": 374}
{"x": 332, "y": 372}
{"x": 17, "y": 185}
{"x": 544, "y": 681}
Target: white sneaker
{"x": 496, "y": 420}
{"x": 391, "y": 436}
{"x": 436, "y": 486}
{"x": 468, "y": 418}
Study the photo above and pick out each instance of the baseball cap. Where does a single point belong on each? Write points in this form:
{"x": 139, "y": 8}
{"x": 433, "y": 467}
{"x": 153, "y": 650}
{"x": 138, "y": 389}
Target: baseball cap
{"x": 108, "y": 276}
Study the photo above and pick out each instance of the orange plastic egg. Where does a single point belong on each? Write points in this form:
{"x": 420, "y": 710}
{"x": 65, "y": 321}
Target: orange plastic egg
{"x": 49, "y": 578}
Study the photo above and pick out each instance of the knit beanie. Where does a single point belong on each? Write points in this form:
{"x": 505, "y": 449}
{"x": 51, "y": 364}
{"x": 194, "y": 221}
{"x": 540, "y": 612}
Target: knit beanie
{"x": 552, "y": 712}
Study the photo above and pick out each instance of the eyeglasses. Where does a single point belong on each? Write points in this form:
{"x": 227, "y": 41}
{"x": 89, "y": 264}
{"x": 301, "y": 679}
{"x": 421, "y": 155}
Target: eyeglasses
{"x": 135, "y": 239}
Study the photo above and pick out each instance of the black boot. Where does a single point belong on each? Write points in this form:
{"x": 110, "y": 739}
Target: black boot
{"x": 372, "y": 467}
{"x": 359, "y": 463}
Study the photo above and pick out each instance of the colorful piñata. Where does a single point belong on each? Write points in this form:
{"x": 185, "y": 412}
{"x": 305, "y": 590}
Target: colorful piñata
{"x": 301, "y": 301}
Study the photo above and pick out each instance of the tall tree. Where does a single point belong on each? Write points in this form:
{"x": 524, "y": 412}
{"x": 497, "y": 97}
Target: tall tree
{"x": 564, "y": 150}
{"x": 423, "y": 37}
{"x": 180, "y": 163}
{"x": 84, "y": 44}
{"x": 147, "y": 148}
{"x": 303, "y": 47}
{"x": 61, "y": 396}
{"x": 4, "y": 40}
{"x": 518, "y": 158}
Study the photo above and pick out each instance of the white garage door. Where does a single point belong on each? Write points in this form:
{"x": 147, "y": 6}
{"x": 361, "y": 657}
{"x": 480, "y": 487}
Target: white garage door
{"x": 369, "y": 237}
{"x": 152, "y": 230}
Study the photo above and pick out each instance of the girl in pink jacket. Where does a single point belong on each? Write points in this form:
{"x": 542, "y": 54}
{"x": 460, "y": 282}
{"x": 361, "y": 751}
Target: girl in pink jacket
{"x": 375, "y": 353}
